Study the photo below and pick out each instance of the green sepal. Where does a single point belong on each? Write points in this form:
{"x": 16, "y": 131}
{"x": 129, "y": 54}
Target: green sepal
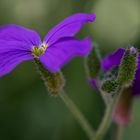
{"x": 53, "y": 81}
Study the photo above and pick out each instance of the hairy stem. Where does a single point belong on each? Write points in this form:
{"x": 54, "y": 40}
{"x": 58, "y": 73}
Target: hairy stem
{"x": 110, "y": 103}
{"x": 107, "y": 119}
{"x": 54, "y": 83}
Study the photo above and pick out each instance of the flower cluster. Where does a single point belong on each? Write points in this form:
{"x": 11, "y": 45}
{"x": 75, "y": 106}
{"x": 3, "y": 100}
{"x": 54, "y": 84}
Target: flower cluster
{"x": 114, "y": 60}
{"x": 110, "y": 65}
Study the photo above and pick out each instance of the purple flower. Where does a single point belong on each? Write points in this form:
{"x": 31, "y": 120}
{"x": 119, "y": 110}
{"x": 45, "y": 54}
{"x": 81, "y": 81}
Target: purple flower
{"x": 18, "y": 44}
{"x": 114, "y": 59}
{"x": 122, "y": 112}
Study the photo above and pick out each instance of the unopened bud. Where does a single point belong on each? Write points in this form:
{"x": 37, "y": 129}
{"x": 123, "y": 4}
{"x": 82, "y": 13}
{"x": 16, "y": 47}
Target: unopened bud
{"x": 93, "y": 63}
{"x": 133, "y": 50}
{"x": 128, "y": 67}
{"x": 110, "y": 86}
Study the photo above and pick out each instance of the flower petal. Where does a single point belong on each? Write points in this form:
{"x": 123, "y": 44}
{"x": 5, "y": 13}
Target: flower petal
{"x": 20, "y": 34}
{"x": 63, "y": 51}
{"x": 93, "y": 83}
{"x": 136, "y": 84}
{"x": 113, "y": 59}
{"x": 16, "y": 43}
{"x": 68, "y": 27}
{"x": 10, "y": 56}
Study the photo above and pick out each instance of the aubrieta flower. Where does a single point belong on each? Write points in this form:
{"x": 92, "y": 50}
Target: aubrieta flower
{"x": 122, "y": 113}
{"x": 18, "y": 44}
{"x": 114, "y": 60}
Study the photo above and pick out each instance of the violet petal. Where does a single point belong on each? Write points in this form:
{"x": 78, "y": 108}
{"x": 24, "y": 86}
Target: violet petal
{"x": 68, "y": 27}
{"x": 21, "y": 34}
{"x": 63, "y": 51}
{"x": 11, "y": 54}
{"x": 113, "y": 59}
{"x": 16, "y": 43}
{"x": 136, "y": 84}
{"x": 9, "y": 60}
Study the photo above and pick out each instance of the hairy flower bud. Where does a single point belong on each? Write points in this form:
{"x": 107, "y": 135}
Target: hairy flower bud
{"x": 53, "y": 81}
{"x": 93, "y": 63}
{"x": 128, "y": 67}
{"x": 110, "y": 86}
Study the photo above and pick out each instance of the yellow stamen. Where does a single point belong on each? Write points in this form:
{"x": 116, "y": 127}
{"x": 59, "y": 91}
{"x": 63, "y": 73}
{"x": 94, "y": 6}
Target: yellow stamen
{"x": 37, "y": 51}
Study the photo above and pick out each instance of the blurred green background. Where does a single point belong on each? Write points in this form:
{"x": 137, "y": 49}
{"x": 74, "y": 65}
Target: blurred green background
{"x": 27, "y": 112}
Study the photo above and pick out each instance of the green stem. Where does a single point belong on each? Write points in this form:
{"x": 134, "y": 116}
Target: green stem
{"x": 118, "y": 132}
{"x": 78, "y": 115}
{"x": 106, "y": 98}
{"x": 106, "y": 122}
{"x": 54, "y": 83}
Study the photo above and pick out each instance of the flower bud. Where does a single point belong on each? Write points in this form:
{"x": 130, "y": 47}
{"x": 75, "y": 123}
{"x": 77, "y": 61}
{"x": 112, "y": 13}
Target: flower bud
{"x": 128, "y": 67}
{"x": 93, "y": 63}
{"x": 53, "y": 81}
{"x": 110, "y": 86}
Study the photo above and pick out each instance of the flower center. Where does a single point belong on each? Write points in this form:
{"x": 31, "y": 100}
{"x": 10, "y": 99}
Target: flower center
{"x": 37, "y": 51}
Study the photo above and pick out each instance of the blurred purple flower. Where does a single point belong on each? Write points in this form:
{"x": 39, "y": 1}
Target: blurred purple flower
{"x": 122, "y": 112}
{"x": 114, "y": 59}
{"x": 18, "y": 44}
